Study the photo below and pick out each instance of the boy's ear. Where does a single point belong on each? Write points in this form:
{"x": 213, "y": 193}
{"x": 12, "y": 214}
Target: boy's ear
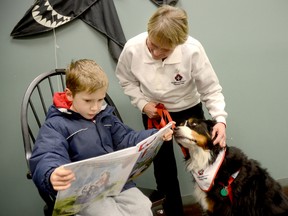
{"x": 69, "y": 94}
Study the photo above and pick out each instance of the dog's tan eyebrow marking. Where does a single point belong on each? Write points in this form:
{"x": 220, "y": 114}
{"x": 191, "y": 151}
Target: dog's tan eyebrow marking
{"x": 201, "y": 139}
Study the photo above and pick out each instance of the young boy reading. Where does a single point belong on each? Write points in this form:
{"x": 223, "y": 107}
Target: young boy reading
{"x": 80, "y": 126}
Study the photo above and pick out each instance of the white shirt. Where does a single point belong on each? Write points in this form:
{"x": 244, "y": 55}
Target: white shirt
{"x": 181, "y": 81}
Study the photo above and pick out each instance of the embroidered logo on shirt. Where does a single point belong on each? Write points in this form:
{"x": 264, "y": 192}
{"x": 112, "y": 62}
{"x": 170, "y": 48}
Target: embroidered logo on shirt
{"x": 178, "y": 79}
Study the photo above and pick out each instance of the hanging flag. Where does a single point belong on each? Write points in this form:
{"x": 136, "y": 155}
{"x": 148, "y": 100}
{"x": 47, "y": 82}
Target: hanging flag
{"x": 163, "y": 2}
{"x": 45, "y": 15}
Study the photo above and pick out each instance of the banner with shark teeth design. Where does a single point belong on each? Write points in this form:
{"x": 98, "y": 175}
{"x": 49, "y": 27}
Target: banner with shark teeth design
{"x": 163, "y": 2}
{"x": 45, "y": 15}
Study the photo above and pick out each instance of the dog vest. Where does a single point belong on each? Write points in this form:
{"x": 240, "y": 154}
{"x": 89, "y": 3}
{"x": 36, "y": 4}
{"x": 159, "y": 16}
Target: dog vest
{"x": 205, "y": 177}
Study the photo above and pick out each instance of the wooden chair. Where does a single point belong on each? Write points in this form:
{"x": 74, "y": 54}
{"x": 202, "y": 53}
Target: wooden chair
{"x": 36, "y": 101}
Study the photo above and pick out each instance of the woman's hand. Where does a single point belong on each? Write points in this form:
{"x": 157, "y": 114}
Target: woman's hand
{"x": 150, "y": 110}
{"x": 219, "y": 133}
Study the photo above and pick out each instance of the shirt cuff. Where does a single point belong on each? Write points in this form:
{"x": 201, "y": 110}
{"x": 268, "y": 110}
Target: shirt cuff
{"x": 221, "y": 119}
{"x": 141, "y": 105}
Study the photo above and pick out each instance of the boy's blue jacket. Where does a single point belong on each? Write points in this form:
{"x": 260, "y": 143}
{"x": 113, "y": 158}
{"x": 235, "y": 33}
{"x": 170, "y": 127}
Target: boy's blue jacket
{"x": 67, "y": 137}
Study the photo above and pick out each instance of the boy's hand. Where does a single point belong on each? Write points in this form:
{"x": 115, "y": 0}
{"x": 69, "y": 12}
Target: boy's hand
{"x": 168, "y": 136}
{"x": 61, "y": 178}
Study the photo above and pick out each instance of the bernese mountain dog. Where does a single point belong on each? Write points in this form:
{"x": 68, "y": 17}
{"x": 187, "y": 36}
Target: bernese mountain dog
{"x": 228, "y": 183}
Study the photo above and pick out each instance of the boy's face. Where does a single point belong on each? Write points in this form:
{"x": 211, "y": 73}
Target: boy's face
{"x": 87, "y": 104}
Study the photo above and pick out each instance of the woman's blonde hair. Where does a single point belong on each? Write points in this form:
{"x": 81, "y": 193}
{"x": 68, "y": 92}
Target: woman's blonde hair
{"x": 168, "y": 26}
{"x": 85, "y": 75}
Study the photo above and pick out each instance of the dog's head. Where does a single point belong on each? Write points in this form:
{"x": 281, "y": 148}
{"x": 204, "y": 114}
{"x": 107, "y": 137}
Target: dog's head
{"x": 194, "y": 135}
{"x": 194, "y": 132}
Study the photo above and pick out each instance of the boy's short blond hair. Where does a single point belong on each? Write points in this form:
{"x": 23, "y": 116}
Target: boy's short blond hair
{"x": 168, "y": 26}
{"x": 85, "y": 75}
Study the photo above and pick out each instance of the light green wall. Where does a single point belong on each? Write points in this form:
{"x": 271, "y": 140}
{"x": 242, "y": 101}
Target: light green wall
{"x": 246, "y": 41}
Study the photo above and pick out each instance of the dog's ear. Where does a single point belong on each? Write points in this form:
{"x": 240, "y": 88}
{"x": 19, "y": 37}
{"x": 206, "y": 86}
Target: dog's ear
{"x": 210, "y": 124}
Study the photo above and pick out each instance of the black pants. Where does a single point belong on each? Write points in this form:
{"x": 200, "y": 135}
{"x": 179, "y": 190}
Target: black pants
{"x": 165, "y": 169}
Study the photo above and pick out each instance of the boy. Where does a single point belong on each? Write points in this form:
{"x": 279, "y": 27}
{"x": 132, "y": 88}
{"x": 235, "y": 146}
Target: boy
{"x": 78, "y": 127}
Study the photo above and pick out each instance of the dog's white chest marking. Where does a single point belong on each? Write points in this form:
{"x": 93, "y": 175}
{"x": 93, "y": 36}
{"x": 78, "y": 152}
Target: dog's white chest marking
{"x": 201, "y": 197}
{"x": 205, "y": 177}
{"x": 199, "y": 158}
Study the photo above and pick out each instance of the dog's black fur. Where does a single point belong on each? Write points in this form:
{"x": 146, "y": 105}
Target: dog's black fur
{"x": 254, "y": 191}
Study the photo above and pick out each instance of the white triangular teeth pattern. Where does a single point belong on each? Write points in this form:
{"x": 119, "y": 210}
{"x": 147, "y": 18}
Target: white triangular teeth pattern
{"x": 53, "y": 20}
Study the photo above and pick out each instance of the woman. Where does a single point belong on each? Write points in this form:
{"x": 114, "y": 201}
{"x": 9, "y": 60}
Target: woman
{"x": 165, "y": 65}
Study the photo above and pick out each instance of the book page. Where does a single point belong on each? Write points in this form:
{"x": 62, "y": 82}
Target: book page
{"x": 96, "y": 178}
{"x": 148, "y": 149}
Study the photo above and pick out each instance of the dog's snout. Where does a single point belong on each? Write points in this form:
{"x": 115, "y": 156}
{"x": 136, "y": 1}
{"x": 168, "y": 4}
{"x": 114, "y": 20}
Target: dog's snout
{"x": 176, "y": 130}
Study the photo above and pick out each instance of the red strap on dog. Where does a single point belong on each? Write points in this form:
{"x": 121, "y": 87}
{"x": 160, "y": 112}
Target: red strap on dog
{"x": 165, "y": 117}
{"x": 228, "y": 188}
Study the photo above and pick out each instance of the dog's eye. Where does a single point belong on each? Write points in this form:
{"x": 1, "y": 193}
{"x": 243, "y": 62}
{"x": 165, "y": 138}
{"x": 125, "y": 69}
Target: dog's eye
{"x": 192, "y": 124}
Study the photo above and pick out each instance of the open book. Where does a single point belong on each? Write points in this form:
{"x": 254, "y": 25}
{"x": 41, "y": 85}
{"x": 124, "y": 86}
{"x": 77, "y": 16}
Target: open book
{"x": 107, "y": 174}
